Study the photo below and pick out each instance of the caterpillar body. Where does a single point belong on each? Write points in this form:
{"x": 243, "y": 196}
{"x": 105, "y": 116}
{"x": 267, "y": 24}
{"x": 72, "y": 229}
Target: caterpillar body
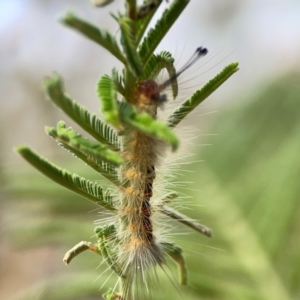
{"x": 141, "y": 152}
{"x": 140, "y": 246}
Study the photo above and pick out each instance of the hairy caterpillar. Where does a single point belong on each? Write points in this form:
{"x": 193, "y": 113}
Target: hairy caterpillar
{"x": 128, "y": 153}
{"x": 139, "y": 246}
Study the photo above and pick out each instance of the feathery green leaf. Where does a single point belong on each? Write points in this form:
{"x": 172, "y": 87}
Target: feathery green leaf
{"x": 144, "y": 21}
{"x": 118, "y": 81}
{"x": 73, "y": 182}
{"x": 101, "y": 37}
{"x": 68, "y": 137}
{"x": 198, "y": 97}
{"x": 157, "y": 63}
{"x": 107, "y": 235}
{"x": 156, "y": 34}
{"x": 134, "y": 62}
{"x": 106, "y": 170}
{"x": 107, "y": 95}
{"x": 148, "y": 7}
{"x": 89, "y": 122}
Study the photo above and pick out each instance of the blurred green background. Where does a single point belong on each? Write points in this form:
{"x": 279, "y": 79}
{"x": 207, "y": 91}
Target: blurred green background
{"x": 246, "y": 188}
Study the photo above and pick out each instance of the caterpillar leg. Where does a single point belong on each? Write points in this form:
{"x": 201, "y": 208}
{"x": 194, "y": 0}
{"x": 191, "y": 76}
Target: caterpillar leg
{"x": 106, "y": 236}
{"x": 176, "y": 253}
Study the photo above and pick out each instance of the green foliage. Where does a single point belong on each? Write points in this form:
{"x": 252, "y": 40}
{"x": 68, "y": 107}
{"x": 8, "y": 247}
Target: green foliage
{"x": 146, "y": 124}
{"x": 157, "y": 63}
{"x": 107, "y": 95}
{"x": 101, "y": 37}
{"x": 91, "y": 191}
{"x": 105, "y": 234}
{"x": 119, "y": 82}
{"x": 134, "y": 62}
{"x": 161, "y": 28}
{"x": 123, "y": 106}
{"x": 90, "y": 154}
{"x": 78, "y": 113}
{"x": 144, "y": 16}
{"x": 176, "y": 254}
{"x": 198, "y": 97}
{"x": 70, "y": 139}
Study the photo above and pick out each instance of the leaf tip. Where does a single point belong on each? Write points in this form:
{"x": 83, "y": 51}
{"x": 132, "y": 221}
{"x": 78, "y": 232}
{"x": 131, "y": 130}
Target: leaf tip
{"x": 67, "y": 19}
{"x": 174, "y": 143}
{"x": 21, "y": 148}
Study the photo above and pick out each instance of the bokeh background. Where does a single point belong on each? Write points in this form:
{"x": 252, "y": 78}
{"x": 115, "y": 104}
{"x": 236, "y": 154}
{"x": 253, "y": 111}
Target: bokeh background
{"x": 246, "y": 188}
